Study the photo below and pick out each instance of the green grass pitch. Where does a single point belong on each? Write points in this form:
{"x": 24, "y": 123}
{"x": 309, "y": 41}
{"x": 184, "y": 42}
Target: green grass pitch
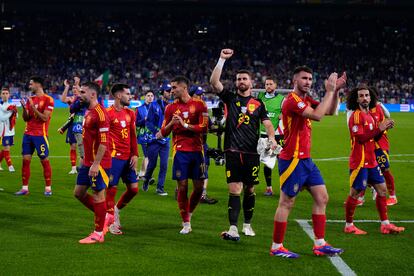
{"x": 39, "y": 235}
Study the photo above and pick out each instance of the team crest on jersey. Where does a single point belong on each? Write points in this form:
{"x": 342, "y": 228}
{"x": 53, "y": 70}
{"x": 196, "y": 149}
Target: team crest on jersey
{"x": 123, "y": 124}
{"x": 296, "y": 188}
{"x": 371, "y": 127}
{"x": 192, "y": 108}
{"x": 185, "y": 114}
{"x": 252, "y": 108}
{"x": 355, "y": 129}
{"x": 243, "y": 109}
{"x": 301, "y": 105}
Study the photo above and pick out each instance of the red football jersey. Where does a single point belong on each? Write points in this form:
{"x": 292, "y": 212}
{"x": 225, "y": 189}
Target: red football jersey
{"x": 96, "y": 132}
{"x": 123, "y": 133}
{"x": 36, "y": 126}
{"x": 362, "y": 154}
{"x": 297, "y": 129}
{"x": 379, "y": 116}
{"x": 194, "y": 113}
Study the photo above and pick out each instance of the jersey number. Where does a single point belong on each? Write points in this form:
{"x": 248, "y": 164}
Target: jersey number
{"x": 243, "y": 118}
{"x": 42, "y": 149}
{"x": 124, "y": 133}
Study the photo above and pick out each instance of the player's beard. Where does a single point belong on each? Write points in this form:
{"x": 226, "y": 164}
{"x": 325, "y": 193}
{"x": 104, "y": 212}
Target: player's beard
{"x": 125, "y": 103}
{"x": 242, "y": 88}
{"x": 304, "y": 89}
{"x": 85, "y": 102}
{"x": 364, "y": 105}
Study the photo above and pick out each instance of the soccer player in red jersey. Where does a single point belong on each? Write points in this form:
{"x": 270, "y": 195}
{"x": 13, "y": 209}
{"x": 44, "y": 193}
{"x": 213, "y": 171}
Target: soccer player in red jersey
{"x": 124, "y": 155}
{"x": 96, "y": 165}
{"x": 187, "y": 119}
{"x": 296, "y": 168}
{"x": 37, "y": 111}
{"x": 382, "y": 148}
{"x": 364, "y": 170}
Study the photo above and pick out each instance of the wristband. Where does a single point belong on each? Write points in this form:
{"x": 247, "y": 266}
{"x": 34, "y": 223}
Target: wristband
{"x": 220, "y": 63}
{"x": 185, "y": 125}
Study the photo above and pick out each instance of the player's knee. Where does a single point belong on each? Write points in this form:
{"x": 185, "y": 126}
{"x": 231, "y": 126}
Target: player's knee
{"x": 323, "y": 199}
{"x": 381, "y": 189}
{"x": 287, "y": 203}
{"x": 78, "y": 194}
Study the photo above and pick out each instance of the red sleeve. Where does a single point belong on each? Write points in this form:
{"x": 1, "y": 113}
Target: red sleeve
{"x": 167, "y": 118}
{"x": 103, "y": 124}
{"x": 201, "y": 127}
{"x": 356, "y": 125}
{"x": 295, "y": 104}
{"x": 313, "y": 103}
{"x": 133, "y": 134}
{"x": 50, "y": 104}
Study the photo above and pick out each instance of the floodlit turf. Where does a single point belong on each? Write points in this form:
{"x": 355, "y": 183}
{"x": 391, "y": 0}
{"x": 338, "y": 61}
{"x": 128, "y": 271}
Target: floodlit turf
{"x": 39, "y": 235}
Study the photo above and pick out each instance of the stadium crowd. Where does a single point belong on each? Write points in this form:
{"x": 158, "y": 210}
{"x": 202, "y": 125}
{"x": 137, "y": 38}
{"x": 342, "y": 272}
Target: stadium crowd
{"x": 144, "y": 49}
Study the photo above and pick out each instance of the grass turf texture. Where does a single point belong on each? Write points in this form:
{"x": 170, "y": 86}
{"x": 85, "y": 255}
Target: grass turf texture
{"x": 39, "y": 235}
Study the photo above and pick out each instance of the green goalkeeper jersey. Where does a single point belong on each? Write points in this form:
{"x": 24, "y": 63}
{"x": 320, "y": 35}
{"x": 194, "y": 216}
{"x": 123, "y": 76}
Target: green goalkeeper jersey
{"x": 273, "y": 106}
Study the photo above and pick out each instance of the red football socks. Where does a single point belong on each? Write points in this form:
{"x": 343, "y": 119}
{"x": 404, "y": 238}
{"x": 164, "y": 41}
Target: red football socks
{"x": 350, "y": 206}
{"x": 25, "y": 172}
{"x": 110, "y": 199}
{"x": 182, "y": 199}
{"x": 100, "y": 213}
{"x": 279, "y": 231}
{"x": 194, "y": 200}
{"x": 47, "y": 172}
{"x": 73, "y": 157}
{"x": 6, "y": 154}
{"x": 319, "y": 222}
{"x": 381, "y": 203}
{"x": 389, "y": 180}
{"x": 126, "y": 197}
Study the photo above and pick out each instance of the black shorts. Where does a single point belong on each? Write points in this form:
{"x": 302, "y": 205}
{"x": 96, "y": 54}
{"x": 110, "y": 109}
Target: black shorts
{"x": 279, "y": 139}
{"x": 242, "y": 167}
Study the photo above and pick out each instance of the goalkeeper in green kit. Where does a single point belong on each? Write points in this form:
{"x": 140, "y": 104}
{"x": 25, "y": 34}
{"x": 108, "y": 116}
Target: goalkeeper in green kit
{"x": 273, "y": 103}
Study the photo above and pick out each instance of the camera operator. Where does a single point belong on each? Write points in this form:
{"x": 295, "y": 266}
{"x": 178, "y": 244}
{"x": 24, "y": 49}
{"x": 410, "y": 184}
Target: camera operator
{"x": 244, "y": 115}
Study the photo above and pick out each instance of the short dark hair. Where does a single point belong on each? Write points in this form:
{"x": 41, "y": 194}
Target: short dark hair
{"x": 181, "y": 79}
{"x": 5, "y": 88}
{"x": 92, "y": 85}
{"x": 149, "y": 91}
{"x": 37, "y": 79}
{"x": 118, "y": 87}
{"x": 352, "y": 97}
{"x": 273, "y": 78}
{"x": 303, "y": 68}
{"x": 244, "y": 71}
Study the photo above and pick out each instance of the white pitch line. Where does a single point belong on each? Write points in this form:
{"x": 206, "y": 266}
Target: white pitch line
{"x": 361, "y": 221}
{"x": 337, "y": 261}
